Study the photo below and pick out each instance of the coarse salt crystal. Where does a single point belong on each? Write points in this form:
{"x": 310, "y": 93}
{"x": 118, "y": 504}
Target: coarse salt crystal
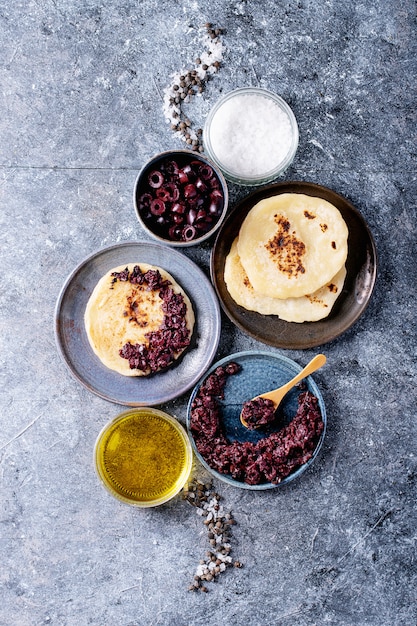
{"x": 200, "y": 570}
{"x": 205, "y": 69}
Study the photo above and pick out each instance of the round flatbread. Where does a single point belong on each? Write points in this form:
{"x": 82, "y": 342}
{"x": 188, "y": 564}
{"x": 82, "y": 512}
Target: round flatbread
{"x": 138, "y": 319}
{"x": 292, "y": 244}
{"x": 309, "y": 308}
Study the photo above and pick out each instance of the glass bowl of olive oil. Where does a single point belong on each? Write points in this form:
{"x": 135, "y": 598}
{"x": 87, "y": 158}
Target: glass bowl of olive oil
{"x": 143, "y": 457}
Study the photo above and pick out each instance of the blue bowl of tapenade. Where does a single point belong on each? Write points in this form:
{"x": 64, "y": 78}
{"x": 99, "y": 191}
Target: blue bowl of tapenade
{"x": 267, "y": 457}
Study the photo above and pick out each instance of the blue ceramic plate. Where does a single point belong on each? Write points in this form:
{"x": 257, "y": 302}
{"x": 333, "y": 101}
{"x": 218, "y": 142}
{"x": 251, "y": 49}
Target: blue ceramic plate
{"x": 260, "y": 372}
{"x": 75, "y": 349}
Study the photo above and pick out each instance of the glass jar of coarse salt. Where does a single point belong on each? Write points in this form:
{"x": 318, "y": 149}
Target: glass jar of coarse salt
{"x": 251, "y": 134}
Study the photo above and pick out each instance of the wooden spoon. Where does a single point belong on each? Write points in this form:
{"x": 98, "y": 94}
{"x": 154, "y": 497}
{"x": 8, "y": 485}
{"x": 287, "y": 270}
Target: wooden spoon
{"x": 277, "y": 394}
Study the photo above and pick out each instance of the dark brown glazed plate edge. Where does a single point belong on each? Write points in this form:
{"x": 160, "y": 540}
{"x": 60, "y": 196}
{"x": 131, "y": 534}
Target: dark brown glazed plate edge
{"x": 361, "y": 265}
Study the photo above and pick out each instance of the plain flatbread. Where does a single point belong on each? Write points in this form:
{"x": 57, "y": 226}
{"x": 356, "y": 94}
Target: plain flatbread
{"x": 309, "y": 308}
{"x": 119, "y": 312}
{"x": 292, "y": 244}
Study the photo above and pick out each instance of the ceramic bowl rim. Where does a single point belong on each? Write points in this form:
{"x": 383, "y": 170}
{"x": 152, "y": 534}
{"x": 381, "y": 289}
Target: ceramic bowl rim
{"x": 195, "y": 155}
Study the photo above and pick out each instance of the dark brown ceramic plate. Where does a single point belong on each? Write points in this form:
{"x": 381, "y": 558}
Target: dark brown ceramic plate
{"x": 361, "y": 268}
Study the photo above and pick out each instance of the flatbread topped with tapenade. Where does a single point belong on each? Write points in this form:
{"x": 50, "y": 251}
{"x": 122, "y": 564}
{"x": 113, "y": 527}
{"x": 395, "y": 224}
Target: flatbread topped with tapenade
{"x": 138, "y": 319}
{"x": 308, "y": 308}
{"x": 292, "y": 244}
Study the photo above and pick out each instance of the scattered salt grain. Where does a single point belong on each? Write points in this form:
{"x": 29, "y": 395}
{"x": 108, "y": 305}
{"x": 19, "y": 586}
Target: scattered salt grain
{"x": 187, "y": 83}
{"x": 218, "y": 524}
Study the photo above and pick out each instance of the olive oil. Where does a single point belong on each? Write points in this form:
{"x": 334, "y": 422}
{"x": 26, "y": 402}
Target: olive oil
{"x": 143, "y": 457}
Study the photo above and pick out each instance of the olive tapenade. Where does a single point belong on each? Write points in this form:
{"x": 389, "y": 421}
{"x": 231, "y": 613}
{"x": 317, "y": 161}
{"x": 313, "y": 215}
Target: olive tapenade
{"x": 258, "y": 412}
{"x": 173, "y": 335}
{"x": 269, "y": 460}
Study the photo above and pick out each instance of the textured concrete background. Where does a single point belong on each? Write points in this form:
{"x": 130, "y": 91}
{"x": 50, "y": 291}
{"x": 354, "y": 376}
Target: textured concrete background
{"x": 81, "y": 112}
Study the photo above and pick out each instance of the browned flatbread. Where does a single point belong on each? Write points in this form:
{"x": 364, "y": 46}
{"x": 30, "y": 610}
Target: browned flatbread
{"x": 308, "y": 308}
{"x": 292, "y": 244}
{"x": 122, "y": 313}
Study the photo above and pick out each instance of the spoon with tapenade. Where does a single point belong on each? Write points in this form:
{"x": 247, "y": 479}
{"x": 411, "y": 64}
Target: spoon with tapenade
{"x": 261, "y": 410}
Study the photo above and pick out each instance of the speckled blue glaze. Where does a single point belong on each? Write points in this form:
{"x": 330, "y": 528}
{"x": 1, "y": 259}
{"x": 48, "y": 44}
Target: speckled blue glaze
{"x": 260, "y": 372}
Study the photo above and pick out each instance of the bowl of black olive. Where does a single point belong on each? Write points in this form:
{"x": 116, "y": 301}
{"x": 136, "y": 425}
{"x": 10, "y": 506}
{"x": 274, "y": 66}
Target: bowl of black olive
{"x": 180, "y": 198}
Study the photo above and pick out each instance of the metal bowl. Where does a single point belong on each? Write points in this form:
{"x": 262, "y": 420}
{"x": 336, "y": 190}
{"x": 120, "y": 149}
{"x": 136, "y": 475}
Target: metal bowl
{"x": 145, "y": 196}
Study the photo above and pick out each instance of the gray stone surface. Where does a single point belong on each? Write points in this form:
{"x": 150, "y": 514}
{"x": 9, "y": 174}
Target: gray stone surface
{"x": 80, "y": 114}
